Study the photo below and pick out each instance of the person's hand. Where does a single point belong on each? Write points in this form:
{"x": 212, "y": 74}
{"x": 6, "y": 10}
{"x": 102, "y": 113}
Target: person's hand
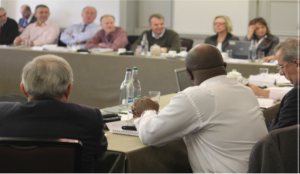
{"x": 79, "y": 42}
{"x": 143, "y": 104}
{"x": 163, "y": 50}
{"x": 251, "y": 30}
{"x": 21, "y": 29}
{"x": 72, "y": 35}
{"x": 258, "y": 91}
{"x": 269, "y": 58}
{"x": 18, "y": 40}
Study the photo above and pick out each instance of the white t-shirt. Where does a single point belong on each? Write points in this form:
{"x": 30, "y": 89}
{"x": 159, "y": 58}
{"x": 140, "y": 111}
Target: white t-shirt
{"x": 220, "y": 121}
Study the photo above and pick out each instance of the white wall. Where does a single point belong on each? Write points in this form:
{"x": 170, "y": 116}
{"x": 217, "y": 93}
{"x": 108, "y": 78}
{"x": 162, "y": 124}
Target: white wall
{"x": 66, "y": 12}
{"x": 196, "y": 16}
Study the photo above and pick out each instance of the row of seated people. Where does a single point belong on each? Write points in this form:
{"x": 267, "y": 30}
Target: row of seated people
{"x": 219, "y": 118}
{"x": 88, "y": 35}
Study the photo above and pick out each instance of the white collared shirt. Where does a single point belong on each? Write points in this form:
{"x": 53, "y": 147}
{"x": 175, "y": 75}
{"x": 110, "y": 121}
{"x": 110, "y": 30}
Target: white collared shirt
{"x": 257, "y": 43}
{"x": 220, "y": 121}
{"x": 47, "y": 33}
{"x": 29, "y": 18}
{"x": 161, "y": 35}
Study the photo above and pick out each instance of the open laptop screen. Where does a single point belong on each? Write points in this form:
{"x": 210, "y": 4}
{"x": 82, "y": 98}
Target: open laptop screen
{"x": 182, "y": 79}
{"x": 240, "y": 49}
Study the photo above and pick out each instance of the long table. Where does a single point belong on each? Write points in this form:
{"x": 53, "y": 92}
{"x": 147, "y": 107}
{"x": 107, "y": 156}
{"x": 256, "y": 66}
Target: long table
{"x": 97, "y": 77}
{"x": 128, "y": 154}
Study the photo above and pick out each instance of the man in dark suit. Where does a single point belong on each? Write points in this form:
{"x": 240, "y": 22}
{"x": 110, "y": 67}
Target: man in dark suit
{"x": 28, "y": 18}
{"x": 47, "y": 83}
{"x": 8, "y": 28}
{"x": 287, "y": 56}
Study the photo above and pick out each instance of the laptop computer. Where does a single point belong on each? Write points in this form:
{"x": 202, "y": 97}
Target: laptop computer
{"x": 240, "y": 49}
{"x": 182, "y": 79}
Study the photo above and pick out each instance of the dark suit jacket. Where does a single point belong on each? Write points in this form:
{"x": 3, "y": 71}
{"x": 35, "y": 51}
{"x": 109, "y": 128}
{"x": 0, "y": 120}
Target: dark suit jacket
{"x": 212, "y": 40}
{"x": 9, "y": 32}
{"x": 21, "y": 21}
{"x": 287, "y": 114}
{"x": 48, "y": 118}
{"x": 267, "y": 46}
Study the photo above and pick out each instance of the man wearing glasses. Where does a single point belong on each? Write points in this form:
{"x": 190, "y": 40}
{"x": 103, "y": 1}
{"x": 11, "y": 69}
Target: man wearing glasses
{"x": 8, "y": 28}
{"x": 287, "y": 55}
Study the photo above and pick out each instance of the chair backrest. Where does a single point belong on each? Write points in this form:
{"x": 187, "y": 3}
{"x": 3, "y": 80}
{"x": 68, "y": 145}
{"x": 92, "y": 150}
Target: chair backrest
{"x": 182, "y": 79}
{"x": 132, "y": 38}
{"x": 28, "y": 155}
{"x": 277, "y": 152}
{"x": 60, "y": 43}
{"x": 188, "y": 43}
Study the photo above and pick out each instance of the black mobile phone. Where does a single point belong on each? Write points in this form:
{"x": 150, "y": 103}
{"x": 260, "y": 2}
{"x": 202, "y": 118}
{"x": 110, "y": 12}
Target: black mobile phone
{"x": 129, "y": 127}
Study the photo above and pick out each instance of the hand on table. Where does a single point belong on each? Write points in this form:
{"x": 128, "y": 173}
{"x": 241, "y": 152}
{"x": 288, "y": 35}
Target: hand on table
{"x": 258, "y": 91}
{"x": 143, "y": 104}
{"x": 163, "y": 50}
{"x": 269, "y": 58}
{"x": 18, "y": 40}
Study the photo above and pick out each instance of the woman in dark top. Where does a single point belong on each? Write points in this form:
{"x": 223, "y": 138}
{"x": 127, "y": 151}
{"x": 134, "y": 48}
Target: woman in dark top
{"x": 223, "y": 27}
{"x": 259, "y": 32}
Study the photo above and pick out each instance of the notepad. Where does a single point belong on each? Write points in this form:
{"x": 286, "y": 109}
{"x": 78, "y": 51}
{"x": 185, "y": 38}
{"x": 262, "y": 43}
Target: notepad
{"x": 265, "y": 102}
{"x": 116, "y": 128}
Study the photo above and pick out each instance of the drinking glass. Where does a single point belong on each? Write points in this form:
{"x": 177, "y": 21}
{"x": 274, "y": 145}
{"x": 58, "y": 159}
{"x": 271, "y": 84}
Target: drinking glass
{"x": 27, "y": 43}
{"x": 182, "y": 49}
{"x": 263, "y": 71}
{"x": 154, "y": 95}
{"x": 229, "y": 53}
{"x": 138, "y": 50}
{"x": 260, "y": 56}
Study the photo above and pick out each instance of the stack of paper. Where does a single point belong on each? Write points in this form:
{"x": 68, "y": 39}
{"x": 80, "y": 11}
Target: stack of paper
{"x": 116, "y": 127}
{"x": 265, "y": 102}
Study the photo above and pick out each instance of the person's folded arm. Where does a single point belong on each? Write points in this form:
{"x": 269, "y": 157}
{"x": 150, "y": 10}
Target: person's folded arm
{"x": 85, "y": 36}
{"x": 119, "y": 42}
{"x": 176, "y": 120}
{"x": 175, "y": 43}
{"x": 94, "y": 41}
{"x": 66, "y": 37}
{"x": 52, "y": 36}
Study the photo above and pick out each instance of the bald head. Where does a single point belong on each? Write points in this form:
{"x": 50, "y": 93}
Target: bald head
{"x": 203, "y": 57}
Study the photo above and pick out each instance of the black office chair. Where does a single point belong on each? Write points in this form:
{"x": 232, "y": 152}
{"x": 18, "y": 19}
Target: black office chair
{"x": 188, "y": 43}
{"x": 131, "y": 39}
{"x": 28, "y": 155}
{"x": 60, "y": 43}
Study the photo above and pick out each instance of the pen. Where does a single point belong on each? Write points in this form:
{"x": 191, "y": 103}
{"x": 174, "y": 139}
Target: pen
{"x": 247, "y": 84}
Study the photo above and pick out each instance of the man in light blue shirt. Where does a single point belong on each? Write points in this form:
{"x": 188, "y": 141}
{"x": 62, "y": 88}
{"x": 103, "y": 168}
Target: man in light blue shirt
{"x": 80, "y": 33}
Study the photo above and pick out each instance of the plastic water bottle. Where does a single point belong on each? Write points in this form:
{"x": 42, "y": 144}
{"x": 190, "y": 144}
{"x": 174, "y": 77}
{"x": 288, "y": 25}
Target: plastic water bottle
{"x": 145, "y": 45}
{"x": 252, "y": 52}
{"x": 123, "y": 99}
{"x": 134, "y": 88}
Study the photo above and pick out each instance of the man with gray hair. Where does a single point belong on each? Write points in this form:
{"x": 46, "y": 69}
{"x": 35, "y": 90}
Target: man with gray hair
{"x": 158, "y": 34}
{"x": 47, "y": 82}
{"x": 80, "y": 33}
{"x": 8, "y": 28}
{"x": 109, "y": 36}
{"x": 287, "y": 55}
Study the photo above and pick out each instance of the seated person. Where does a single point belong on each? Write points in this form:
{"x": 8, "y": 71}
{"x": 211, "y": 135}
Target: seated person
{"x": 8, "y": 28}
{"x": 287, "y": 55}
{"x": 80, "y": 33}
{"x": 158, "y": 34}
{"x": 223, "y": 27}
{"x": 27, "y": 18}
{"x": 219, "y": 128}
{"x": 259, "y": 33}
{"x": 108, "y": 37}
{"x": 42, "y": 31}
{"x": 47, "y": 82}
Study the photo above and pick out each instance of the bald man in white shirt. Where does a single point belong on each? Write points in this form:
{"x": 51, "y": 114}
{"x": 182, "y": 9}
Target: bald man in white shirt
{"x": 218, "y": 118}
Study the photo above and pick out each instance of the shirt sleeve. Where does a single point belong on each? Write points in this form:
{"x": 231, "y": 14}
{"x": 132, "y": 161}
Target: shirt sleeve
{"x": 84, "y": 36}
{"x": 65, "y": 36}
{"x": 94, "y": 41}
{"x": 176, "y": 120}
{"x": 119, "y": 42}
{"x": 26, "y": 33}
{"x": 51, "y": 38}
{"x": 277, "y": 95}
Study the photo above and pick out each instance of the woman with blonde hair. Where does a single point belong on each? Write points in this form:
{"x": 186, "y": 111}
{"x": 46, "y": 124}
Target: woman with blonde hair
{"x": 223, "y": 27}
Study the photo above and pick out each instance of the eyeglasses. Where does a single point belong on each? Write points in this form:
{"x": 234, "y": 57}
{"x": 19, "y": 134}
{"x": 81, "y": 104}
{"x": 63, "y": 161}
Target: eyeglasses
{"x": 219, "y": 23}
{"x": 280, "y": 67}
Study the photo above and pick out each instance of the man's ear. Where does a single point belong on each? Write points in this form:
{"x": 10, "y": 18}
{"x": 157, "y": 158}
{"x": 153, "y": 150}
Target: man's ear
{"x": 68, "y": 92}
{"x": 23, "y": 89}
{"x": 225, "y": 65}
{"x": 190, "y": 74}
{"x": 297, "y": 62}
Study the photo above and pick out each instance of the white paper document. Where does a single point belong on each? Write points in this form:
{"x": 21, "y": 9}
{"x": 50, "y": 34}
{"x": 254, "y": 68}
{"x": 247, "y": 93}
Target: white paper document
{"x": 265, "y": 102}
{"x": 101, "y": 50}
{"x": 262, "y": 80}
{"x": 116, "y": 127}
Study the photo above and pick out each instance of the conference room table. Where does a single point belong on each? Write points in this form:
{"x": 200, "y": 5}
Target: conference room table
{"x": 127, "y": 153}
{"x": 98, "y": 76}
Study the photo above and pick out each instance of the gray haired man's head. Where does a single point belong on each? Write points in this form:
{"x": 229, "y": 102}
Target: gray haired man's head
{"x": 289, "y": 49}
{"x": 47, "y": 76}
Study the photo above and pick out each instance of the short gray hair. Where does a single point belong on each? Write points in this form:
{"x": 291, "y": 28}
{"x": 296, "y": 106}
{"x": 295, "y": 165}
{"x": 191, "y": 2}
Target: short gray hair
{"x": 47, "y": 76}
{"x": 289, "y": 49}
{"x": 159, "y": 16}
{"x": 90, "y": 7}
{"x": 107, "y": 15}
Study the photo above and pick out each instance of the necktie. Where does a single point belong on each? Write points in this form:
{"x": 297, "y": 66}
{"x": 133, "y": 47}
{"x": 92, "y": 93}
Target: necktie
{"x": 108, "y": 37}
{"x": 84, "y": 28}
{"x": 25, "y": 23}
